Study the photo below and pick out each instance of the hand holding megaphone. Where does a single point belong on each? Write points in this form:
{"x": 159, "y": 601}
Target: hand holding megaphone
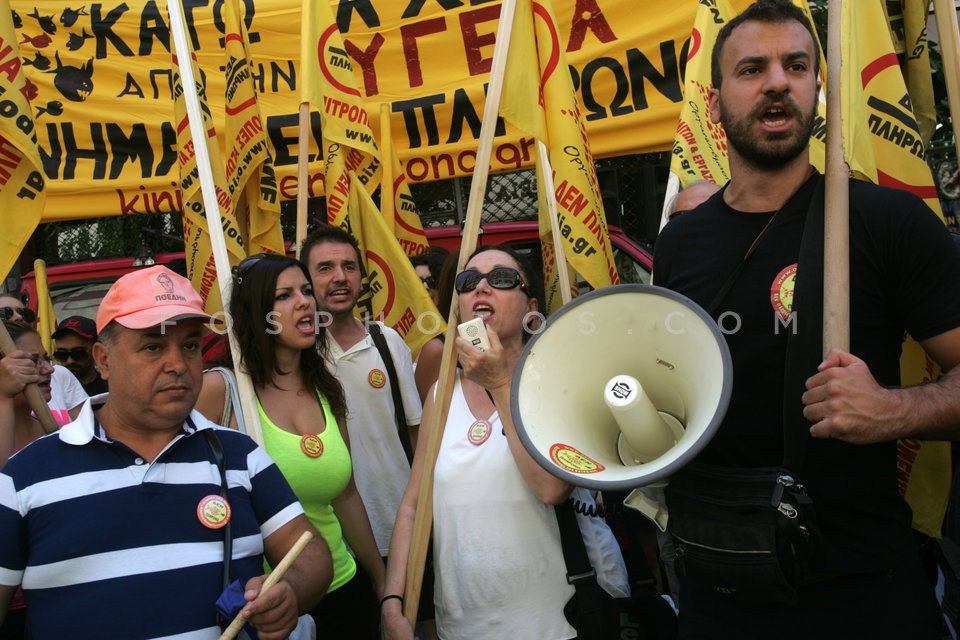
{"x": 487, "y": 366}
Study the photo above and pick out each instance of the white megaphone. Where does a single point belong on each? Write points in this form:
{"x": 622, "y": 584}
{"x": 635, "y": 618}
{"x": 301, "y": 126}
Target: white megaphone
{"x": 622, "y": 387}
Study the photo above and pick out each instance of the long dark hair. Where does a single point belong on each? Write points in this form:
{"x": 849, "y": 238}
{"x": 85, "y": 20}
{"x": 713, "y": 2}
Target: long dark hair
{"x": 251, "y": 300}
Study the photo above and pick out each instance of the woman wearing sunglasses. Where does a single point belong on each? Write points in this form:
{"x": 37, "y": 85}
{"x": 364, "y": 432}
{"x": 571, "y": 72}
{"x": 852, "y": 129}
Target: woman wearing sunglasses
{"x": 67, "y": 395}
{"x": 498, "y": 562}
{"x": 302, "y": 415}
{"x": 29, "y": 363}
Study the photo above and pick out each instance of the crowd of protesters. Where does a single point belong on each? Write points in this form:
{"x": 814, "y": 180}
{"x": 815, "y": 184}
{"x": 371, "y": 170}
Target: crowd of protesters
{"x": 149, "y": 513}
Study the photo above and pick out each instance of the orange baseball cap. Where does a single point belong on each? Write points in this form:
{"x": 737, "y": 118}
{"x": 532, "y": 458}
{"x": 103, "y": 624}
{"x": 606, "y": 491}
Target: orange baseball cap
{"x": 149, "y": 297}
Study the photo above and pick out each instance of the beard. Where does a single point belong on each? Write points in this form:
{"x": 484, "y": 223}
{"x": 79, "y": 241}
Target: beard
{"x": 774, "y": 150}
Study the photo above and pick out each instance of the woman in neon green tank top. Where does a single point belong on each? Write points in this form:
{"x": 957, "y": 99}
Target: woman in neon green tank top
{"x": 301, "y": 410}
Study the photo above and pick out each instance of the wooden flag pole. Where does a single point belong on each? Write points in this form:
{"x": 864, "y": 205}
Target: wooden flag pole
{"x": 240, "y": 622}
{"x": 248, "y": 398}
{"x": 563, "y": 274}
{"x": 303, "y": 173}
{"x": 836, "y": 232}
{"x": 946, "y": 16}
{"x": 423, "y": 520}
{"x": 387, "y": 198}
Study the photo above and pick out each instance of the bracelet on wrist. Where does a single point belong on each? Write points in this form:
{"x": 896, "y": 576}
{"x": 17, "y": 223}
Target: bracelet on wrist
{"x": 392, "y": 596}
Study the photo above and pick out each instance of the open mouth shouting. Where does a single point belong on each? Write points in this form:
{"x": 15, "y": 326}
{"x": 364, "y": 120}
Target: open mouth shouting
{"x": 482, "y": 310}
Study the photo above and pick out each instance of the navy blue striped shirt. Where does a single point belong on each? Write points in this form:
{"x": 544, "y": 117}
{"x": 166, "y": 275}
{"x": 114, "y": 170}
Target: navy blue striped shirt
{"x": 107, "y": 545}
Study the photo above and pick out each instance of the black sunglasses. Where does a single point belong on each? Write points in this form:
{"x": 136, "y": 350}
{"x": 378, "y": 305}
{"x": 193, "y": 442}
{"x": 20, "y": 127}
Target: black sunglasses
{"x": 77, "y": 354}
{"x": 429, "y": 282}
{"x": 25, "y": 312}
{"x": 498, "y": 278}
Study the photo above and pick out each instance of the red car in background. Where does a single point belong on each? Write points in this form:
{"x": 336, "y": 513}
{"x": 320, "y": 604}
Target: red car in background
{"x": 76, "y": 289}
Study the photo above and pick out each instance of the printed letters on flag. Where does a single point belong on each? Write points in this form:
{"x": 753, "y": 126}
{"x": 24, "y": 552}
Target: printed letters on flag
{"x": 249, "y": 168}
{"x": 22, "y": 191}
{"x": 538, "y": 98}
{"x": 876, "y": 97}
{"x": 201, "y": 267}
{"x": 407, "y": 226}
{"x": 392, "y": 291}
{"x": 327, "y": 82}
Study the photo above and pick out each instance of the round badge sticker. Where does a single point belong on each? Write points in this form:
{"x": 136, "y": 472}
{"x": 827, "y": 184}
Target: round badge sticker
{"x": 213, "y": 512}
{"x": 566, "y": 457}
{"x": 781, "y": 291}
{"x": 377, "y": 378}
{"x": 478, "y": 432}
{"x": 311, "y": 445}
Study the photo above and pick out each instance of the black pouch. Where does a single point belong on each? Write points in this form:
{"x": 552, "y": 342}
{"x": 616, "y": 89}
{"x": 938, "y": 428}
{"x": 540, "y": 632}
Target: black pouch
{"x": 749, "y": 534}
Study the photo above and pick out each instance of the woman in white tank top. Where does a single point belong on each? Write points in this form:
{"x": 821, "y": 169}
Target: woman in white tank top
{"x": 498, "y": 562}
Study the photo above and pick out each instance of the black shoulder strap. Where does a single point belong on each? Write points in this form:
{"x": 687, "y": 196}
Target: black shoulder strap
{"x": 805, "y": 339}
{"x": 581, "y": 574}
{"x": 220, "y": 460}
{"x": 381, "y": 343}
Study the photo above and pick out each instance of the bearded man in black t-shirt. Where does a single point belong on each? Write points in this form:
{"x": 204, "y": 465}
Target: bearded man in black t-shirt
{"x": 869, "y": 581}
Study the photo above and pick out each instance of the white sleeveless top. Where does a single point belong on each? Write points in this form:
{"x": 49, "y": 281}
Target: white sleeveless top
{"x": 497, "y": 556}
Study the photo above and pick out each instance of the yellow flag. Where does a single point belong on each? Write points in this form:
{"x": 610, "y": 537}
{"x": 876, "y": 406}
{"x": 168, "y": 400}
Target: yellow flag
{"x": 328, "y": 83}
{"x": 46, "y": 319}
{"x": 876, "y": 98}
{"x": 249, "y": 167}
{"x": 201, "y": 267}
{"x": 700, "y": 146}
{"x": 908, "y": 29}
{"x": 407, "y": 226}
{"x": 539, "y": 99}
{"x": 552, "y": 288}
{"x": 22, "y": 192}
{"x": 348, "y": 141}
{"x": 392, "y": 291}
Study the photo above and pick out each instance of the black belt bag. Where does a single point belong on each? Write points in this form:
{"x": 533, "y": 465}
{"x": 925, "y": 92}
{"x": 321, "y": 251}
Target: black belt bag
{"x": 749, "y": 534}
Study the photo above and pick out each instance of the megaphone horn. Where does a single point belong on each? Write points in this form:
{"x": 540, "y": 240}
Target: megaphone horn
{"x": 622, "y": 387}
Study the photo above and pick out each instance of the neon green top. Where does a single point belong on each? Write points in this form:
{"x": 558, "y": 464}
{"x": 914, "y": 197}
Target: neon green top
{"x": 316, "y": 481}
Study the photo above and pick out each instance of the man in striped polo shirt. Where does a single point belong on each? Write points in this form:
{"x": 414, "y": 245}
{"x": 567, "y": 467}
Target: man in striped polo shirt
{"x": 115, "y": 526}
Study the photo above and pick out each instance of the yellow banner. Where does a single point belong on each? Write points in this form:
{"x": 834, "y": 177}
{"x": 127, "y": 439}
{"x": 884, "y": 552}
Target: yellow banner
{"x": 329, "y": 82}
{"x": 103, "y": 87}
{"x": 392, "y": 291}
{"x": 22, "y": 193}
{"x": 538, "y": 98}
